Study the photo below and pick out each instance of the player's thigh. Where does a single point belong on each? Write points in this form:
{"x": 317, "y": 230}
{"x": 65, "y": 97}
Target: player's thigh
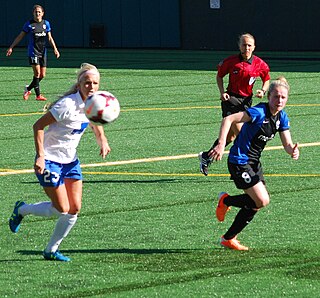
{"x": 74, "y": 192}
{"x": 43, "y": 66}
{"x": 43, "y": 71}
{"x": 36, "y": 70}
{"x": 58, "y": 196}
{"x": 259, "y": 194}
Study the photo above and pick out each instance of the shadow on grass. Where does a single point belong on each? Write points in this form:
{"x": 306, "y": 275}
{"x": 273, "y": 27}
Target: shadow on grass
{"x": 178, "y": 266}
{"x": 144, "y": 180}
{"x": 114, "y": 251}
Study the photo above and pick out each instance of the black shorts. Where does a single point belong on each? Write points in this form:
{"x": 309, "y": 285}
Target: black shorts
{"x": 235, "y": 104}
{"x": 246, "y": 176}
{"x": 36, "y": 60}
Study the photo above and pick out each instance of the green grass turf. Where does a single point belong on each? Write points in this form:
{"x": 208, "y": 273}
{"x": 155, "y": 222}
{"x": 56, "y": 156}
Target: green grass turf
{"x": 148, "y": 229}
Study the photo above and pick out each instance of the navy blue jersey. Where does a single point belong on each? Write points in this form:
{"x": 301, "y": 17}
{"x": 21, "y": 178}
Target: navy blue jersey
{"x": 37, "y": 33}
{"x": 256, "y": 133}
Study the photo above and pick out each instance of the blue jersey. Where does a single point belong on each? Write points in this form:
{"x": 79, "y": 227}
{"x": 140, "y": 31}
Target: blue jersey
{"x": 256, "y": 133}
{"x": 37, "y": 33}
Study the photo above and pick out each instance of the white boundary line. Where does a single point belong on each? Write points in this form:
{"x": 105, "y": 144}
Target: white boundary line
{"x": 5, "y": 172}
{"x": 160, "y": 109}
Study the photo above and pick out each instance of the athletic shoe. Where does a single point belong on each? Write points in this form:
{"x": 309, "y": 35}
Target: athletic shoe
{"x": 26, "y": 93}
{"x": 204, "y": 164}
{"x": 222, "y": 209}
{"x": 16, "y": 218}
{"x": 232, "y": 244}
{"x": 41, "y": 98}
{"x": 55, "y": 256}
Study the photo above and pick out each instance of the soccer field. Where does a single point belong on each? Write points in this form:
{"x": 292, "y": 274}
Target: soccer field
{"x": 147, "y": 226}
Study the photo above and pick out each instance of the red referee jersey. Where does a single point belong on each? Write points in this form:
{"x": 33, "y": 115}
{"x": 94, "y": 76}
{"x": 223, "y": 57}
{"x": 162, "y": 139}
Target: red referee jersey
{"x": 243, "y": 74}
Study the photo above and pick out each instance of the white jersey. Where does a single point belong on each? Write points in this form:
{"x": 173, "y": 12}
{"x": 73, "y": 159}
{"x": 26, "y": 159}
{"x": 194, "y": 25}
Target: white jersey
{"x": 61, "y": 139}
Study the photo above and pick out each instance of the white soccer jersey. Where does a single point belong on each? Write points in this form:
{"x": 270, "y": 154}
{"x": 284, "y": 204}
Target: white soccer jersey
{"x": 61, "y": 139}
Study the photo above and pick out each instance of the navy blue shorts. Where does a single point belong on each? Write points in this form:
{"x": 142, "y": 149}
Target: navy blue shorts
{"x": 35, "y": 60}
{"x": 246, "y": 176}
{"x": 55, "y": 173}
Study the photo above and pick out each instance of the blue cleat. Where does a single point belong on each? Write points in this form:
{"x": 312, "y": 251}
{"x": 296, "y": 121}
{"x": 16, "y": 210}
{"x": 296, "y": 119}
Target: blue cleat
{"x": 16, "y": 218}
{"x": 55, "y": 256}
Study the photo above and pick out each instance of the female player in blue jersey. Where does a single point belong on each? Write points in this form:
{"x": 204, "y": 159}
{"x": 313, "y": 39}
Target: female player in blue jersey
{"x": 57, "y": 165}
{"x": 38, "y": 31}
{"x": 260, "y": 124}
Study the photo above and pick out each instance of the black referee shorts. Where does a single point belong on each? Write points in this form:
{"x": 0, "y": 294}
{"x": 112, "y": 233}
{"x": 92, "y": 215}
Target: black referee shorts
{"x": 235, "y": 104}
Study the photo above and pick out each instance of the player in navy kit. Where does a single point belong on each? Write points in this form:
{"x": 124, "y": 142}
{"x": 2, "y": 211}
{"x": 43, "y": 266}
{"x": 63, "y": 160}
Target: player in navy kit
{"x": 260, "y": 124}
{"x": 38, "y": 30}
{"x": 57, "y": 165}
{"x": 243, "y": 70}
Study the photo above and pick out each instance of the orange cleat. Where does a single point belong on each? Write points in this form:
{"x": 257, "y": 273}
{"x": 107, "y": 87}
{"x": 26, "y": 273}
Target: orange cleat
{"x": 26, "y": 93}
{"x": 232, "y": 244}
{"x": 222, "y": 209}
{"x": 41, "y": 98}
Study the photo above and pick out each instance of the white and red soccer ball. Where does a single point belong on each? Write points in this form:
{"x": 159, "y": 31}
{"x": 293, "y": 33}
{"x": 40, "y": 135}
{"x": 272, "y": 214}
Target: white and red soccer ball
{"x": 102, "y": 107}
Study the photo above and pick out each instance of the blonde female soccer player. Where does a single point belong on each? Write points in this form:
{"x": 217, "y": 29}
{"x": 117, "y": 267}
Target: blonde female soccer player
{"x": 57, "y": 165}
{"x": 260, "y": 124}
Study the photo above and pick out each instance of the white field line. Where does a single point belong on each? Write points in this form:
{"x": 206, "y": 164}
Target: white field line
{"x": 159, "y": 109}
{"x": 125, "y": 110}
{"x": 4, "y": 172}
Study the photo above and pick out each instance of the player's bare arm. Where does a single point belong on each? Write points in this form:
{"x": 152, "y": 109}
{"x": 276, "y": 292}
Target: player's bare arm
{"x": 289, "y": 147}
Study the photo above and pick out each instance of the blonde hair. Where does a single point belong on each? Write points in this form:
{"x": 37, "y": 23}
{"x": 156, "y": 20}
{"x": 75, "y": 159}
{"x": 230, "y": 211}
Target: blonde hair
{"x": 242, "y": 36}
{"x": 85, "y": 68}
{"x": 280, "y": 81}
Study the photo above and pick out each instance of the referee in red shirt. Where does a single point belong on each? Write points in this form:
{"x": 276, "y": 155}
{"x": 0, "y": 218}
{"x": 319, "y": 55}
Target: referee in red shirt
{"x": 243, "y": 70}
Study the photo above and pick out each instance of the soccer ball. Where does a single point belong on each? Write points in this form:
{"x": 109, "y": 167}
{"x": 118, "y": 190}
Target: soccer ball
{"x": 102, "y": 107}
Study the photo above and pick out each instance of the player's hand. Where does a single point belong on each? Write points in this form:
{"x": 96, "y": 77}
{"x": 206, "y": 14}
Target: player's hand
{"x": 56, "y": 52}
{"x": 9, "y": 52}
{"x": 217, "y": 152}
{"x": 105, "y": 149}
{"x": 225, "y": 96}
{"x": 295, "y": 152}
{"x": 39, "y": 165}
{"x": 260, "y": 93}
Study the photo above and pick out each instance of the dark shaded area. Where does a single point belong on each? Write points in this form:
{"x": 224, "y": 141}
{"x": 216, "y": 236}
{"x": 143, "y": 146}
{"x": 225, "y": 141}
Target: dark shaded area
{"x": 165, "y": 59}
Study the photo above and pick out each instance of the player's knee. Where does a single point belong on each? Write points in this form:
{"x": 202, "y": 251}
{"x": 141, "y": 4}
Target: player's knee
{"x": 55, "y": 212}
{"x": 75, "y": 208}
{"x": 62, "y": 209}
{"x": 263, "y": 202}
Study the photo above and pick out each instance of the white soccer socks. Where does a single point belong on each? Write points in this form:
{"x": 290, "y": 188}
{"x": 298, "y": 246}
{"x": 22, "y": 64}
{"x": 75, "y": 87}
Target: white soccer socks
{"x": 44, "y": 209}
{"x": 63, "y": 226}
